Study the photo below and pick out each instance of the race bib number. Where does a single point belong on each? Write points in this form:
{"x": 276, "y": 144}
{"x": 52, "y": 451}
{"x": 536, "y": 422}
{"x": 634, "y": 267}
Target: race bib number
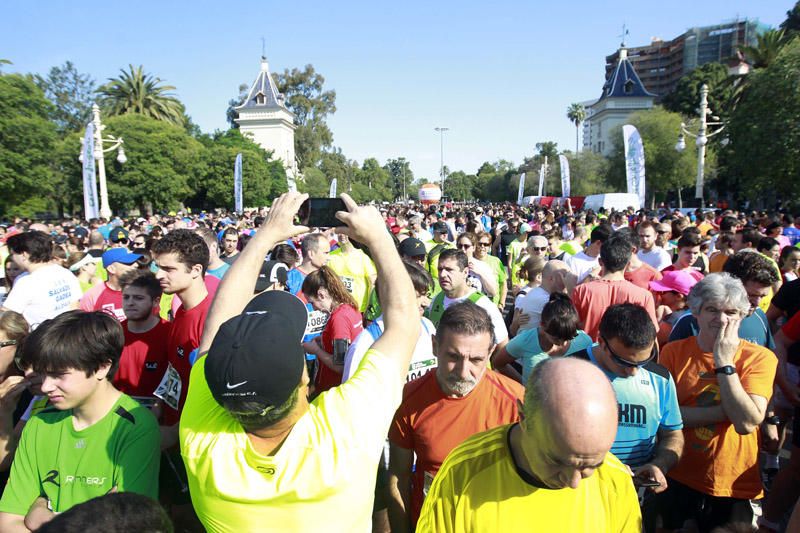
{"x": 316, "y": 322}
{"x": 348, "y": 283}
{"x": 417, "y": 369}
{"x": 169, "y": 389}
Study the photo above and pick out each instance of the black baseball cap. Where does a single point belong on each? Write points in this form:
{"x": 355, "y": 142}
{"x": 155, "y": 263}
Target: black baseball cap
{"x": 440, "y": 227}
{"x": 412, "y": 247}
{"x": 258, "y": 355}
{"x": 271, "y": 271}
{"x": 118, "y": 234}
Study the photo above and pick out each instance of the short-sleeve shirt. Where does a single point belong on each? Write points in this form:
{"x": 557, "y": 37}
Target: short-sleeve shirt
{"x": 498, "y": 324}
{"x": 696, "y": 274}
{"x": 356, "y": 271}
{"x": 788, "y": 298}
{"x": 500, "y": 273}
{"x": 432, "y": 424}
{"x": 657, "y": 257}
{"x": 532, "y": 305}
{"x": 526, "y": 348}
{"x": 344, "y": 323}
{"x": 593, "y": 298}
{"x": 143, "y": 360}
{"x": 322, "y": 478}
{"x": 184, "y": 337}
{"x": 642, "y": 276}
{"x": 582, "y": 264}
{"x": 43, "y": 294}
{"x": 101, "y": 297}
{"x": 753, "y": 328}
{"x": 717, "y": 460}
{"x": 69, "y": 467}
{"x": 647, "y": 402}
{"x": 480, "y": 487}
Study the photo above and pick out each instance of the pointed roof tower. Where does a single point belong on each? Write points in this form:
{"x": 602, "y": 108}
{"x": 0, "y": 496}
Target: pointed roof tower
{"x": 263, "y": 93}
{"x": 624, "y": 82}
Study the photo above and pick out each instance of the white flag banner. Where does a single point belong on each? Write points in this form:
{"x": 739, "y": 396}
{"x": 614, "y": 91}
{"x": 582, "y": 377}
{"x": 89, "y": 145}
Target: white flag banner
{"x": 634, "y": 161}
{"x": 541, "y": 180}
{"x": 237, "y": 185}
{"x": 91, "y": 207}
{"x": 562, "y": 159}
{"x": 521, "y": 191}
{"x": 332, "y": 190}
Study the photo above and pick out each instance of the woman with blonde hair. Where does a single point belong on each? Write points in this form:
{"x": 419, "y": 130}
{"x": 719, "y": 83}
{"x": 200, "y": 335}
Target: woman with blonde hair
{"x": 325, "y": 292}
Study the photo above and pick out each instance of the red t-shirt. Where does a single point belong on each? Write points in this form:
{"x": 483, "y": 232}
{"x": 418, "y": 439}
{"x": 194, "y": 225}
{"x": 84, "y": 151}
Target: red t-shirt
{"x": 344, "y": 323}
{"x": 593, "y": 298}
{"x": 642, "y": 276}
{"x": 143, "y": 360}
{"x": 101, "y": 297}
{"x": 432, "y": 424}
{"x": 187, "y": 328}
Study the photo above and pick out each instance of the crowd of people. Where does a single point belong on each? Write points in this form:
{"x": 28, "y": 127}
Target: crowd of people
{"x": 453, "y": 368}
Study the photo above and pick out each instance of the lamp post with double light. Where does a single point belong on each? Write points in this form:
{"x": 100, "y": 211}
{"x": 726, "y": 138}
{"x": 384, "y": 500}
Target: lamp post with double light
{"x": 115, "y": 143}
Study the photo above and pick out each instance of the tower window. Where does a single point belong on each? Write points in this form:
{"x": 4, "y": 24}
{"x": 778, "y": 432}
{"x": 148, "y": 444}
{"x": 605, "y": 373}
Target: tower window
{"x": 628, "y": 87}
{"x": 260, "y": 99}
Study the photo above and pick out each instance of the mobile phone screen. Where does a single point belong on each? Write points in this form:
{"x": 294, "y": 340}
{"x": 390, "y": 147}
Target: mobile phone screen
{"x": 321, "y": 212}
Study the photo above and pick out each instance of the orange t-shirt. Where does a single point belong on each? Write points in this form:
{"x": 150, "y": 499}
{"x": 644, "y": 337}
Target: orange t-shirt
{"x": 716, "y": 460}
{"x": 716, "y": 263}
{"x": 642, "y": 276}
{"x": 432, "y": 424}
{"x": 593, "y": 298}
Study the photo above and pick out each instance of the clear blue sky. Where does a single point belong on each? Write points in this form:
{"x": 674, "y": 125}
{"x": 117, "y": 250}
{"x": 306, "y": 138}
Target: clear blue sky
{"x": 500, "y": 75}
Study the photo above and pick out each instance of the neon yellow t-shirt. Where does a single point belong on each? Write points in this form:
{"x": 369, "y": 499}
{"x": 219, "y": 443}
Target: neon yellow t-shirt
{"x": 321, "y": 479}
{"x": 356, "y": 270}
{"x": 478, "y": 489}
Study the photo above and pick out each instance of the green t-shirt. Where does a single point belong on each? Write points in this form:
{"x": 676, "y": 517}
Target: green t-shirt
{"x": 499, "y": 271}
{"x": 69, "y": 467}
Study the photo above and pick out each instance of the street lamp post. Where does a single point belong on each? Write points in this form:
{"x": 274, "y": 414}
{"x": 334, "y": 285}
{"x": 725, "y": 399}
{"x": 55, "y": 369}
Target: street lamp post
{"x": 441, "y": 155}
{"x": 116, "y": 144}
{"x": 402, "y": 161}
{"x": 702, "y": 136}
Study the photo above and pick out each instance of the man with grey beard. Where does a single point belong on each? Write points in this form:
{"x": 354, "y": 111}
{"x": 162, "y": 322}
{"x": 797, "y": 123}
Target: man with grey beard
{"x": 441, "y": 409}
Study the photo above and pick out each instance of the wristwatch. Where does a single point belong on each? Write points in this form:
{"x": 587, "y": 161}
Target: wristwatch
{"x": 773, "y": 420}
{"x": 728, "y": 370}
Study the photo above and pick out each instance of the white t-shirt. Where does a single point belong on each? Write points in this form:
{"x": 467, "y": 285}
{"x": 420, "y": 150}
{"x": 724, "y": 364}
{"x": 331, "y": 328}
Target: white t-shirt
{"x": 581, "y": 264}
{"x": 532, "y": 306}
{"x": 657, "y": 258}
{"x": 44, "y": 293}
{"x": 500, "y": 331}
{"x": 422, "y": 360}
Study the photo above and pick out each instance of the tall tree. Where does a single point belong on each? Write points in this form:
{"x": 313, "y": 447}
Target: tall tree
{"x": 135, "y": 91}
{"x": 576, "y": 113}
{"x": 685, "y": 98}
{"x": 401, "y": 176}
{"x": 72, "y": 95}
{"x": 27, "y": 137}
{"x": 311, "y": 105}
{"x": 766, "y": 50}
{"x": 763, "y": 155}
{"x": 792, "y": 23}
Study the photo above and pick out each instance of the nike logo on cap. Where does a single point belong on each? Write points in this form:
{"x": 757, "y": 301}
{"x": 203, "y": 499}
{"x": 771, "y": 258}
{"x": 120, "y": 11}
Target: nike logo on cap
{"x": 234, "y": 386}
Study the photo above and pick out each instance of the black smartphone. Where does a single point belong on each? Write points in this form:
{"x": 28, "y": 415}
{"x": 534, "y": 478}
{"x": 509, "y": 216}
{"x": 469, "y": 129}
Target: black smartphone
{"x": 645, "y": 482}
{"x": 340, "y": 347}
{"x": 321, "y": 212}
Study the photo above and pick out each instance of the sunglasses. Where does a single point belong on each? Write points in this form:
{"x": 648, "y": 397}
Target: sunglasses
{"x": 630, "y": 364}
{"x": 465, "y": 246}
{"x": 484, "y": 244}
{"x": 539, "y": 249}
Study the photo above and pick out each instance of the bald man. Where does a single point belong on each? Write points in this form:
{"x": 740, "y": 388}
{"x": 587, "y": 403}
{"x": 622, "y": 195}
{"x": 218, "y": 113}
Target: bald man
{"x": 550, "y": 472}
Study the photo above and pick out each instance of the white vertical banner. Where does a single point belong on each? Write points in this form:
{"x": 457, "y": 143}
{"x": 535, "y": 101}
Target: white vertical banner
{"x": 564, "y": 163}
{"x": 521, "y": 191}
{"x": 541, "y": 180}
{"x": 237, "y": 185}
{"x": 332, "y": 190}
{"x": 91, "y": 207}
{"x": 634, "y": 161}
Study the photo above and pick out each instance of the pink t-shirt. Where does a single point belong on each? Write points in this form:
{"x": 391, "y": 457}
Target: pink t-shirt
{"x": 593, "y": 298}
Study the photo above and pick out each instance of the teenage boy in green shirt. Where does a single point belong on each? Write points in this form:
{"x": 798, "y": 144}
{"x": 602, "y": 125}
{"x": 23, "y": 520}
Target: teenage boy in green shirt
{"x": 91, "y": 439}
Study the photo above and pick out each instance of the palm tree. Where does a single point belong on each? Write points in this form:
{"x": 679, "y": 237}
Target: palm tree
{"x": 4, "y": 62}
{"x": 765, "y": 51}
{"x": 134, "y": 91}
{"x": 576, "y": 113}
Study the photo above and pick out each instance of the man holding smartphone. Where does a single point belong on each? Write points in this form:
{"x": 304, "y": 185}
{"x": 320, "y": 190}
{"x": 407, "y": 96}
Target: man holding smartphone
{"x": 649, "y": 437}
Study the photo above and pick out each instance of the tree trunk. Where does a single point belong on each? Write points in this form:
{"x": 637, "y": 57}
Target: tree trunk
{"x": 577, "y": 129}
{"x": 680, "y": 198}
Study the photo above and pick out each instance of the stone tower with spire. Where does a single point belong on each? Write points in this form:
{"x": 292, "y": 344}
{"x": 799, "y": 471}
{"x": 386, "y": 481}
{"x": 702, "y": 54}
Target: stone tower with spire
{"x": 623, "y": 94}
{"x": 264, "y": 117}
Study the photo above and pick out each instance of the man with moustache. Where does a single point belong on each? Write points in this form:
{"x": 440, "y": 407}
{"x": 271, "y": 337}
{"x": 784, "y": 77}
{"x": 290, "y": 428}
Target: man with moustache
{"x": 442, "y": 408}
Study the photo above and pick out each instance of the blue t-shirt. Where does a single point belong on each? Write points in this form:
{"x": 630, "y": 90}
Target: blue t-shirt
{"x": 294, "y": 280}
{"x": 647, "y": 402}
{"x": 526, "y": 348}
{"x": 793, "y": 234}
{"x": 753, "y": 328}
{"x": 219, "y": 272}
{"x": 316, "y": 319}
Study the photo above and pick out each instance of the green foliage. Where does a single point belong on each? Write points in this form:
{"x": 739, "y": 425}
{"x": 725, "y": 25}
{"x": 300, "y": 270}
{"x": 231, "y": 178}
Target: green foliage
{"x": 459, "y": 185}
{"x": 766, "y": 50}
{"x": 686, "y": 96}
{"x": 399, "y": 170}
{"x": 792, "y": 22}
{"x": 377, "y": 179}
{"x": 576, "y": 113}
{"x": 27, "y": 137}
{"x": 588, "y": 172}
{"x": 311, "y": 105}
{"x": 315, "y": 183}
{"x": 666, "y": 169}
{"x": 262, "y": 178}
{"x": 764, "y": 150}
{"x": 134, "y": 91}
{"x": 72, "y": 95}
